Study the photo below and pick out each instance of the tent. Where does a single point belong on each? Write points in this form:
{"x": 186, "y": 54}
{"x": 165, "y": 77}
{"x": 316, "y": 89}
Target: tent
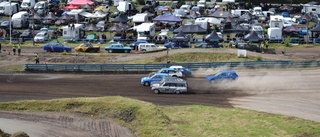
{"x": 213, "y": 37}
{"x": 221, "y": 14}
{"x": 292, "y": 28}
{"x": 253, "y": 36}
{"x": 190, "y": 29}
{"x": 50, "y": 16}
{"x": 119, "y": 27}
{"x": 80, "y": 2}
{"x": 91, "y": 27}
{"x": 181, "y": 37}
{"x": 36, "y": 17}
{"x": 168, "y": 18}
{"x": 121, "y": 18}
{"x": 71, "y": 6}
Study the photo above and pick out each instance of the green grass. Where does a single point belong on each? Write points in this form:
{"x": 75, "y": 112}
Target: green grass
{"x": 149, "y": 120}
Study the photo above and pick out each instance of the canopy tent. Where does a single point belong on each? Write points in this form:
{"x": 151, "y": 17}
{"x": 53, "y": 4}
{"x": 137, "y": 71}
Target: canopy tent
{"x": 121, "y": 18}
{"x": 180, "y": 37}
{"x": 80, "y": 2}
{"x": 292, "y": 28}
{"x": 213, "y": 37}
{"x": 190, "y": 29}
{"x": 91, "y": 27}
{"x": 253, "y": 36}
{"x": 36, "y": 17}
{"x": 50, "y": 16}
{"x": 66, "y": 17}
{"x": 221, "y": 14}
{"x": 71, "y": 6}
{"x": 167, "y": 18}
{"x": 119, "y": 27}
{"x": 87, "y": 6}
{"x": 241, "y": 28}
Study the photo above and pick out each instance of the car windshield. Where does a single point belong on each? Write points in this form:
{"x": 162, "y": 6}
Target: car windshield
{"x": 40, "y": 35}
{"x": 100, "y": 23}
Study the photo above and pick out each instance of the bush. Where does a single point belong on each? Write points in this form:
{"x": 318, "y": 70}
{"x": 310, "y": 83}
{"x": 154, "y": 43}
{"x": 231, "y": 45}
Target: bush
{"x": 286, "y": 42}
{"x": 259, "y": 58}
{"x": 19, "y": 134}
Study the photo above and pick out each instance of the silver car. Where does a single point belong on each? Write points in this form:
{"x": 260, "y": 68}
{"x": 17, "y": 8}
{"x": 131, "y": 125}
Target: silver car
{"x": 170, "y": 85}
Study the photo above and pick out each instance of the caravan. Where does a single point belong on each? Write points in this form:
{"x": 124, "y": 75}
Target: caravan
{"x": 8, "y": 9}
{"x": 308, "y": 8}
{"x": 145, "y": 31}
{"x": 27, "y": 4}
{"x": 73, "y": 33}
{"x": 76, "y": 14}
{"x": 274, "y": 34}
{"x": 139, "y": 18}
{"x": 20, "y": 20}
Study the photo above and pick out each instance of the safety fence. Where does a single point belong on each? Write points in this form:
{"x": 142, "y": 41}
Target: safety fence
{"x": 150, "y": 67}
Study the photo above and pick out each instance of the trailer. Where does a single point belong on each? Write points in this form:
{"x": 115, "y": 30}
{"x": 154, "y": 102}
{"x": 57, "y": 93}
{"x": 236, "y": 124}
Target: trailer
{"x": 73, "y": 33}
{"x": 20, "y": 20}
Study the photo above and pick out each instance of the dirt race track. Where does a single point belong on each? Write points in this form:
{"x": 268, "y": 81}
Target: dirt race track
{"x": 294, "y": 93}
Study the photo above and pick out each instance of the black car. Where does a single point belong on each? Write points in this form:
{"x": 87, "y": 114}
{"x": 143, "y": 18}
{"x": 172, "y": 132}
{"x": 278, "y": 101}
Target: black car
{"x": 246, "y": 46}
{"x": 27, "y": 34}
{"x": 207, "y": 45}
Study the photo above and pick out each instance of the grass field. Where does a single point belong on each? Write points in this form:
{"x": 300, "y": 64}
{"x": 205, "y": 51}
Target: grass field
{"x": 149, "y": 120}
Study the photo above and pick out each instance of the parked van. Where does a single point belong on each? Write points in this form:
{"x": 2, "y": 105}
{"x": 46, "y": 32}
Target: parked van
{"x": 8, "y": 9}
{"x": 20, "y": 20}
{"x": 275, "y": 34}
{"x": 149, "y": 47}
{"x": 2, "y": 7}
{"x": 73, "y": 34}
{"x": 27, "y": 4}
{"x": 202, "y": 3}
{"x": 41, "y": 5}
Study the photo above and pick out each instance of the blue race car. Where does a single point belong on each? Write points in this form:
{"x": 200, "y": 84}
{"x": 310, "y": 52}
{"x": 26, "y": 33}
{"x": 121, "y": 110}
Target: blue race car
{"x": 56, "y": 47}
{"x": 222, "y": 75}
{"x": 119, "y": 48}
{"x": 146, "y": 81}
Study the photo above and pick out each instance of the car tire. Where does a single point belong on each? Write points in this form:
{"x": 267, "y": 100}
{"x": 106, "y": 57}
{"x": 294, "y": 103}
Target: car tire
{"x": 126, "y": 51}
{"x": 110, "y": 50}
{"x": 212, "y": 81}
{"x": 49, "y": 50}
{"x": 156, "y": 91}
{"x": 80, "y": 50}
{"x": 146, "y": 83}
{"x": 177, "y": 92}
{"x": 174, "y": 76}
{"x": 64, "y": 50}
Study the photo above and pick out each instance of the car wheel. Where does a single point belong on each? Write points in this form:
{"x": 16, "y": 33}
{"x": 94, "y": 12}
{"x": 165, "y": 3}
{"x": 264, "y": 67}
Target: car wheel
{"x": 80, "y": 50}
{"x": 156, "y": 91}
{"x": 48, "y": 50}
{"x": 126, "y": 51}
{"x": 64, "y": 50}
{"x": 174, "y": 76}
{"x": 177, "y": 92}
{"x": 212, "y": 81}
{"x": 110, "y": 51}
{"x": 146, "y": 83}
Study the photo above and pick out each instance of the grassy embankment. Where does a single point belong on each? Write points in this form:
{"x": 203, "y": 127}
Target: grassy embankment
{"x": 149, "y": 120}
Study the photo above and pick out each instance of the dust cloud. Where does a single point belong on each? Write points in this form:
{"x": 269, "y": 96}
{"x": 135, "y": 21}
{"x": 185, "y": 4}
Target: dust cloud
{"x": 250, "y": 81}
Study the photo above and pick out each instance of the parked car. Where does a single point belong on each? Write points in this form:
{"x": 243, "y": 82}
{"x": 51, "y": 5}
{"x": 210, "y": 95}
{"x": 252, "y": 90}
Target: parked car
{"x": 146, "y": 81}
{"x": 176, "y": 4}
{"x": 222, "y": 76}
{"x": 41, "y": 37}
{"x": 207, "y": 45}
{"x": 185, "y": 71}
{"x": 137, "y": 43}
{"x": 56, "y": 47}
{"x": 117, "y": 48}
{"x": 92, "y": 38}
{"x": 180, "y": 13}
{"x": 6, "y": 24}
{"x": 170, "y": 85}
{"x": 149, "y": 47}
{"x": 15, "y": 34}
{"x": 246, "y": 46}
{"x": 26, "y": 34}
{"x": 87, "y": 47}
{"x": 102, "y": 25}
{"x": 176, "y": 45}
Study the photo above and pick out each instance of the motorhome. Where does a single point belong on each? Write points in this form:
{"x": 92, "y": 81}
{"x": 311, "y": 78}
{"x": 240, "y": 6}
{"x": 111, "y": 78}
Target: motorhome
{"x": 276, "y": 22}
{"x": 125, "y": 6}
{"x": 274, "y": 34}
{"x": 20, "y": 20}
{"x": 145, "y": 31}
{"x": 8, "y": 9}
{"x": 139, "y": 19}
{"x": 307, "y": 8}
{"x": 27, "y": 4}
{"x": 73, "y": 33}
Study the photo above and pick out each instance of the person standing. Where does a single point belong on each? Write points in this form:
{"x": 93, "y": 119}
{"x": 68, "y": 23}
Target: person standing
{"x": 19, "y": 49}
{"x": 37, "y": 58}
{"x": 14, "y": 49}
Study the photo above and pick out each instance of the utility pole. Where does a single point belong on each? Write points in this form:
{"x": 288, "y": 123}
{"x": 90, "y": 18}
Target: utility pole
{"x": 10, "y": 22}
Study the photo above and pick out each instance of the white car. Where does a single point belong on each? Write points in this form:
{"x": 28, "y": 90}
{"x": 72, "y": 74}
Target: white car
{"x": 149, "y": 47}
{"x": 186, "y": 8}
{"x": 41, "y": 37}
{"x": 185, "y": 71}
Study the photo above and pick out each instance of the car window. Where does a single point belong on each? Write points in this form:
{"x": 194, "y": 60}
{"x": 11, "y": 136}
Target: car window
{"x": 223, "y": 74}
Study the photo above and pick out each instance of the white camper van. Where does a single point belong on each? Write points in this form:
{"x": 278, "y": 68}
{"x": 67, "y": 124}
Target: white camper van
{"x": 307, "y": 8}
{"x": 139, "y": 18}
{"x": 145, "y": 30}
{"x": 239, "y": 12}
{"x": 275, "y": 34}
{"x": 276, "y": 22}
{"x": 73, "y": 34}
{"x": 27, "y": 4}
{"x": 20, "y": 20}
{"x": 9, "y": 9}
{"x": 125, "y": 6}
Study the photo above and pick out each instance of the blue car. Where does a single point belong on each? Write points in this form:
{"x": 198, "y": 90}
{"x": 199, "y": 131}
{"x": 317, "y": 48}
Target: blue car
{"x": 222, "y": 75}
{"x": 155, "y": 77}
{"x": 176, "y": 45}
{"x": 56, "y": 47}
{"x": 119, "y": 48}
{"x": 137, "y": 43}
